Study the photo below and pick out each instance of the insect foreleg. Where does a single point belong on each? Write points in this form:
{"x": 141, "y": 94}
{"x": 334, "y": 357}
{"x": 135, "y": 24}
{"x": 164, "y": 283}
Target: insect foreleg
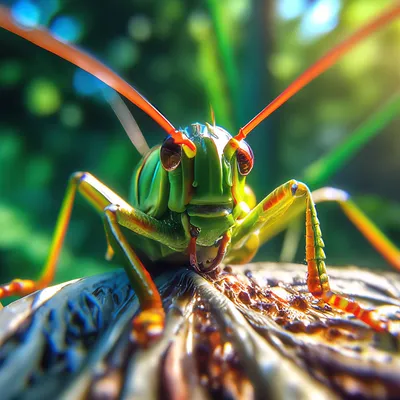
{"x": 116, "y": 212}
{"x": 273, "y": 210}
{"x": 150, "y": 321}
{"x": 98, "y": 195}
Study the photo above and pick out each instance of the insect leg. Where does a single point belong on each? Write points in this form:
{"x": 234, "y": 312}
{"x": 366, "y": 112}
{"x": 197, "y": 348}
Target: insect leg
{"x": 100, "y": 197}
{"x": 22, "y": 287}
{"x": 271, "y": 211}
{"x": 374, "y": 235}
{"x": 150, "y": 321}
{"x": 116, "y": 212}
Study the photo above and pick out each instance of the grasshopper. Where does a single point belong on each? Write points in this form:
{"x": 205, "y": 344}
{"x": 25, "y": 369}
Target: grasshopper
{"x": 189, "y": 200}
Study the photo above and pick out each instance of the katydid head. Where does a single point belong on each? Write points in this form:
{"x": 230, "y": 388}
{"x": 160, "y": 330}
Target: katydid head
{"x": 214, "y": 179}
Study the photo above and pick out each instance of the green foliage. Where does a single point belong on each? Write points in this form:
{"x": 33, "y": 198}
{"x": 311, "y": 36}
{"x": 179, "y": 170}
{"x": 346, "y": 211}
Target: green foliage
{"x": 184, "y": 57}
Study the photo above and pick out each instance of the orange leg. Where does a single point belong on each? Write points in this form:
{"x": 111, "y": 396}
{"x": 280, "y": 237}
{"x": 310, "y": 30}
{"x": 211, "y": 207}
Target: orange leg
{"x": 22, "y": 287}
{"x": 149, "y": 324}
{"x": 116, "y": 212}
{"x": 283, "y": 203}
{"x": 317, "y": 278}
{"x": 98, "y": 195}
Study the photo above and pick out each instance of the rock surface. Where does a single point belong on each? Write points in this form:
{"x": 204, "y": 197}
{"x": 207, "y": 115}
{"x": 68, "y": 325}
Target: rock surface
{"x": 254, "y": 333}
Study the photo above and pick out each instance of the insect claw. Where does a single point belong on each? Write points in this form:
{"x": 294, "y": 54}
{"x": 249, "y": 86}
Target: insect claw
{"x": 109, "y": 253}
{"x": 148, "y": 327}
{"x": 378, "y": 323}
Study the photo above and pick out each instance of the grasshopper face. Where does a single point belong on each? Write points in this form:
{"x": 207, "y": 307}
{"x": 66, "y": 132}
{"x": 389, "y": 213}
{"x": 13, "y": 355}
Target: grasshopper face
{"x": 212, "y": 176}
{"x": 213, "y": 179}
{"x": 212, "y": 173}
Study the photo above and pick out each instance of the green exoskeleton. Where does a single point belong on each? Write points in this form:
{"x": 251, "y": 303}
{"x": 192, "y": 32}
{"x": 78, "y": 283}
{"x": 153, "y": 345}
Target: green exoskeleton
{"x": 189, "y": 201}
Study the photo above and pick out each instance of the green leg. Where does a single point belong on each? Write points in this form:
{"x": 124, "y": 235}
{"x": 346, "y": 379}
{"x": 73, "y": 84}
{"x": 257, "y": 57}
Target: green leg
{"x": 149, "y": 323}
{"x": 116, "y": 212}
{"x": 274, "y": 210}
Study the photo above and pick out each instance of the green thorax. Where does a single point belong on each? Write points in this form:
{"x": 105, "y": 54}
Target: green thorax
{"x": 205, "y": 188}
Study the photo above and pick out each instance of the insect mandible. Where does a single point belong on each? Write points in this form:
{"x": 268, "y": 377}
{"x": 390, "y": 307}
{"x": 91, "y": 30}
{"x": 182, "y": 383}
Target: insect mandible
{"x": 189, "y": 201}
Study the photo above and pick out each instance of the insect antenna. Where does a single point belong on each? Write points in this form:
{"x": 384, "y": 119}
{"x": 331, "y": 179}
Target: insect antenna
{"x": 318, "y": 68}
{"x": 128, "y": 123}
{"x": 74, "y": 55}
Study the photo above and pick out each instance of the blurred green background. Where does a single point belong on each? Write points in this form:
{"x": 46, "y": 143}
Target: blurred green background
{"x": 235, "y": 55}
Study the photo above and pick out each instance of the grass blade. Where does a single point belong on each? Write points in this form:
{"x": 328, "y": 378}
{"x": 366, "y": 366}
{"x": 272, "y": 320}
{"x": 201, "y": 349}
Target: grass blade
{"x": 321, "y": 170}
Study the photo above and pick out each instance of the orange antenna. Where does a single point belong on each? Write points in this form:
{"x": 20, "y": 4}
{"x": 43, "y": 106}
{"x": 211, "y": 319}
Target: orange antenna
{"x": 319, "y": 67}
{"x": 45, "y": 40}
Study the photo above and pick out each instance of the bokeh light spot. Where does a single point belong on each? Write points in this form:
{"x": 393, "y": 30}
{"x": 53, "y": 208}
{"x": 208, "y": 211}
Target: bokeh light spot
{"x": 71, "y": 115}
{"x": 66, "y": 28}
{"x": 198, "y": 25}
{"x": 239, "y": 9}
{"x": 320, "y": 19}
{"x": 86, "y": 84}
{"x": 284, "y": 65}
{"x": 11, "y": 145}
{"x": 42, "y": 97}
{"x": 123, "y": 53}
{"x": 26, "y": 13}
{"x": 48, "y": 8}
{"x": 368, "y": 52}
{"x": 10, "y": 72}
{"x": 17, "y": 227}
{"x": 39, "y": 171}
{"x": 161, "y": 69}
{"x": 291, "y": 9}
{"x": 360, "y": 11}
{"x": 139, "y": 28}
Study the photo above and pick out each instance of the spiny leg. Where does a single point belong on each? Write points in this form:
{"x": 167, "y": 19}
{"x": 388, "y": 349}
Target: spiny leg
{"x": 101, "y": 198}
{"x": 149, "y": 324}
{"x": 317, "y": 278}
{"x": 98, "y": 195}
{"x": 270, "y": 212}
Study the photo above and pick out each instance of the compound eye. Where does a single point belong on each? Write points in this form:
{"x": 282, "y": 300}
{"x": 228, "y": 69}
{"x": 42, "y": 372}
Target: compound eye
{"x": 170, "y": 154}
{"x": 245, "y": 158}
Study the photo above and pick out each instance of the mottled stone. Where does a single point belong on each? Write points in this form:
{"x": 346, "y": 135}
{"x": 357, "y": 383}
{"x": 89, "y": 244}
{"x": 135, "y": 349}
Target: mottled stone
{"x": 254, "y": 332}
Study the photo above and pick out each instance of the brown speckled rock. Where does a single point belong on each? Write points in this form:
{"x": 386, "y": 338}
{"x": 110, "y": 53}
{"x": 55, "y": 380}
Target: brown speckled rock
{"x": 253, "y": 333}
